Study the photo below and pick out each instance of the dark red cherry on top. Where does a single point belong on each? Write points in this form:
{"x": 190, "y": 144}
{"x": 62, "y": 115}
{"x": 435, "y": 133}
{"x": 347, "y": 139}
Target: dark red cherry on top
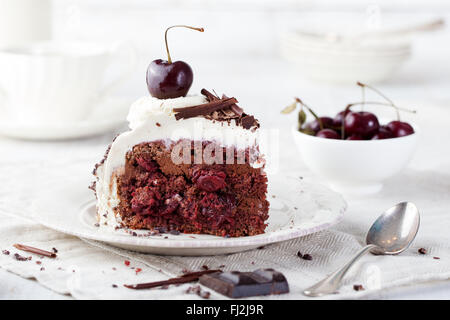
{"x": 400, "y": 129}
{"x": 314, "y": 125}
{"x": 167, "y": 79}
{"x": 328, "y": 134}
{"x": 361, "y": 123}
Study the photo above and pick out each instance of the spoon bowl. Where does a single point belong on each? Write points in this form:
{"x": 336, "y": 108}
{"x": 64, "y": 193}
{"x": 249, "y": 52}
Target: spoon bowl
{"x": 395, "y": 229}
{"x": 390, "y": 234}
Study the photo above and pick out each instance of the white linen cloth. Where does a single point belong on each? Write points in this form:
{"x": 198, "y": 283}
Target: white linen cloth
{"x": 87, "y": 269}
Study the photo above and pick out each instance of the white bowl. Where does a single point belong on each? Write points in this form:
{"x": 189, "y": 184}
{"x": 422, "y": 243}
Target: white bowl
{"x": 356, "y": 166}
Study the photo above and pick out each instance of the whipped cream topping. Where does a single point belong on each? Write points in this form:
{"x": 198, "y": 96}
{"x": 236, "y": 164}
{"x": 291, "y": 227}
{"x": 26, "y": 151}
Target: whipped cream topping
{"x": 148, "y": 107}
{"x": 153, "y": 119}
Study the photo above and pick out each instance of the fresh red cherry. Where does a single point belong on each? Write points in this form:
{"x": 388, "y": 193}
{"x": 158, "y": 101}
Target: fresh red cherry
{"x": 314, "y": 125}
{"x": 337, "y": 121}
{"x": 167, "y": 79}
{"x": 355, "y": 137}
{"x": 400, "y": 129}
{"x": 362, "y": 123}
{"x": 328, "y": 134}
{"x": 383, "y": 133}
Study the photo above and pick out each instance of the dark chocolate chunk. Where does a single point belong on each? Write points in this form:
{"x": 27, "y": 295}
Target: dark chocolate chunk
{"x": 237, "y": 284}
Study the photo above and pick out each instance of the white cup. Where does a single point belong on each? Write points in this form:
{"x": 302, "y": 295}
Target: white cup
{"x": 51, "y": 82}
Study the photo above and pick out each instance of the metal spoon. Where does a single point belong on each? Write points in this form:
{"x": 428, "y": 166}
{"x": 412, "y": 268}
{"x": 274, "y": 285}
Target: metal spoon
{"x": 391, "y": 233}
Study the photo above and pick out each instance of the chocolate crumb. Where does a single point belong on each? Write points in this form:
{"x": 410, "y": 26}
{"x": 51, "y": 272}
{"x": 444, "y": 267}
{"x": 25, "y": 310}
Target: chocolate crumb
{"x": 164, "y": 287}
{"x": 358, "y": 287}
{"x": 5, "y": 252}
{"x": 161, "y": 229}
{"x": 198, "y": 291}
{"x": 205, "y": 267}
{"x": 114, "y": 268}
{"x": 97, "y": 225}
{"x": 42, "y": 269}
{"x": 261, "y": 247}
{"x": 307, "y": 257}
{"x": 158, "y": 124}
{"x": 166, "y": 237}
{"x": 299, "y": 254}
{"x": 422, "y": 251}
{"x": 38, "y": 262}
{"x": 134, "y": 234}
{"x": 18, "y": 257}
{"x": 436, "y": 258}
{"x": 221, "y": 266}
{"x": 54, "y": 250}
{"x": 114, "y": 285}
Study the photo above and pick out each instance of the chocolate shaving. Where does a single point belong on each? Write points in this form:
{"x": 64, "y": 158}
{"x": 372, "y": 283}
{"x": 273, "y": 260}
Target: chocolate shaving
{"x": 211, "y": 97}
{"x": 35, "y": 250}
{"x": 248, "y": 122}
{"x": 203, "y": 109}
{"x": 185, "y": 278}
{"x": 235, "y": 108}
{"x": 218, "y": 109}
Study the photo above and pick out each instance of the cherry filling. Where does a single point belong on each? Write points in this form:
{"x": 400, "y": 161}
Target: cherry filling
{"x": 209, "y": 180}
{"x": 217, "y": 199}
{"x": 154, "y": 194}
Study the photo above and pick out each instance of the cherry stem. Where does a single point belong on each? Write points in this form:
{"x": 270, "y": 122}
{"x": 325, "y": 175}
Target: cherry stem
{"x": 169, "y": 59}
{"x": 310, "y": 110}
{"x": 363, "y": 92}
{"x": 383, "y": 96}
{"x": 380, "y": 103}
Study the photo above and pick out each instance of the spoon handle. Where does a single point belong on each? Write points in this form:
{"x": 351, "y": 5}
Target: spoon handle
{"x": 331, "y": 283}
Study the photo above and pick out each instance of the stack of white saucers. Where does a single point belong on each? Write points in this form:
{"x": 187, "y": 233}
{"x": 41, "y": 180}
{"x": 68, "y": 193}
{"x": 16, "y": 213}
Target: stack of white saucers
{"x": 342, "y": 59}
{"x": 349, "y": 47}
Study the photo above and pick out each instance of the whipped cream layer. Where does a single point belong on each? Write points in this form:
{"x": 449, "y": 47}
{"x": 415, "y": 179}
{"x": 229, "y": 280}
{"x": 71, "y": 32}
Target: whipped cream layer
{"x": 152, "y": 119}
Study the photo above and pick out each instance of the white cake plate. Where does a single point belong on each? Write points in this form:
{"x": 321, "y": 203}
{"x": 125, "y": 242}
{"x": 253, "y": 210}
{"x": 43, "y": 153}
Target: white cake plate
{"x": 297, "y": 208}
